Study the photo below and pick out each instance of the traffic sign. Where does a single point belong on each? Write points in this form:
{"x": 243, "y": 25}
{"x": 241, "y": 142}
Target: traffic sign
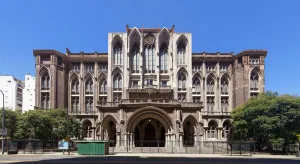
{"x": 3, "y": 133}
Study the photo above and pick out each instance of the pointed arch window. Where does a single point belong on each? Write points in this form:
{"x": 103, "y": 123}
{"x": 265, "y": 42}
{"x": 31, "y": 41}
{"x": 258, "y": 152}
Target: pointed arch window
{"x": 135, "y": 58}
{"x": 210, "y": 86}
{"x": 196, "y": 85}
{"x": 212, "y": 130}
{"x": 46, "y": 82}
{"x": 103, "y": 87}
{"x": 163, "y": 57}
{"x": 226, "y": 129}
{"x": 224, "y": 86}
{"x": 254, "y": 81}
{"x": 89, "y": 87}
{"x": 75, "y": 87}
{"x": 150, "y": 58}
{"x": 118, "y": 57}
{"x": 117, "y": 83}
{"x": 181, "y": 51}
{"x": 181, "y": 82}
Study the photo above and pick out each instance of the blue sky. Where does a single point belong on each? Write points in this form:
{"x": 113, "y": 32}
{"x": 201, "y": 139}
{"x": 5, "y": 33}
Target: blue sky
{"x": 216, "y": 25}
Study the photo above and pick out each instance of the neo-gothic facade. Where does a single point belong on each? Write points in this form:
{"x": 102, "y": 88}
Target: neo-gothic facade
{"x": 149, "y": 86}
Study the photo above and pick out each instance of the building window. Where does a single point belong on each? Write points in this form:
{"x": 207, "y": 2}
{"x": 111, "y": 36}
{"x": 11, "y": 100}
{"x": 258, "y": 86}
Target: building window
{"x": 212, "y": 130}
{"x": 75, "y": 87}
{"x": 59, "y": 61}
{"x": 75, "y": 104}
{"x": 224, "y": 86}
{"x": 117, "y": 80}
{"x": 89, "y": 87}
{"x": 102, "y": 67}
{"x": 181, "y": 53}
{"x": 224, "y": 104}
{"x": 46, "y": 82}
{"x": 210, "y": 85}
{"x": 196, "y": 85}
{"x": 89, "y": 104}
{"x": 76, "y": 67}
{"x": 89, "y": 68}
{"x": 117, "y": 98}
{"x": 210, "y": 68}
{"x": 164, "y": 83}
{"x": 150, "y": 58}
{"x": 103, "y": 87}
{"x": 118, "y": 54}
{"x": 196, "y": 99}
{"x": 182, "y": 97}
{"x": 254, "y": 60}
{"x": 210, "y": 104}
{"x": 135, "y": 84}
{"x": 226, "y": 129}
{"x": 163, "y": 59}
{"x": 254, "y": 81}
{"x": 135, "y": 58}
{"x": 223, "y": 68}
{"x": 45, "y": 100}
{"x": 181, "y": 82}
{"x": 196, "y": 68}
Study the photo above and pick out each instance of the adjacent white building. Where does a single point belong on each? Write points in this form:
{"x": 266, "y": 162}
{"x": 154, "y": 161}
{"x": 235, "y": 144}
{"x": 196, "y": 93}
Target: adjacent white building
{"x": 12, "y": 89}
{"x": 28, "y": 93}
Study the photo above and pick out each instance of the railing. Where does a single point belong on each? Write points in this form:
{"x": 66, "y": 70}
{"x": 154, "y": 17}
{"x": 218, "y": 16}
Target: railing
{"x": 191, "y": 104}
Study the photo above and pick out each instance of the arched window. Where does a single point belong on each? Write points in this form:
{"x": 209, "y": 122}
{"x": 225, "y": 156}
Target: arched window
{"x": 75, "y": 87}
{"x": 150, "y": 58}
{"x": 87, "y": 129}
{"x": 135, "y": 58}
{"x": 210, "y": 104}
{"x": 196, "y": 85}
{"x": 118, "y": 57}
{"x": 163, "y": 57}
{"x": 89, "y": 88}
{"x": 103, "y": 87}
{"x": 254, "y": 81}
{"x": 224, "y": 86}
{"x": 226, "y": 128}
{"x": 181, "y": 53}
{"x": 212, "y": 130}
{"x": 46, "y": 82}
{"x": 210, "y": 85}
{"x": 181, "y": 82}
{"x": 117, "y": 80}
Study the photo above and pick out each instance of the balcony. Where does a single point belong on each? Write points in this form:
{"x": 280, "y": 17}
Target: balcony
{"x": 78, "y": 112}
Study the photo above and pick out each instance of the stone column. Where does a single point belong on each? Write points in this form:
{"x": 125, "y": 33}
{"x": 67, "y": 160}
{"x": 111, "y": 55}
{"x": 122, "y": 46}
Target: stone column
{"x": 117, "y": 139}
{"x": 195, "y": 140}
{"x": 180, "y": 139}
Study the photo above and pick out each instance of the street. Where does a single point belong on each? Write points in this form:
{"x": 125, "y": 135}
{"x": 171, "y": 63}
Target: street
{"x": 32, "y": 159}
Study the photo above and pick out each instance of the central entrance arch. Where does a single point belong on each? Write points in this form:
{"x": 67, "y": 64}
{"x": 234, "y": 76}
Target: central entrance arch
{"x": 149, "y": 126}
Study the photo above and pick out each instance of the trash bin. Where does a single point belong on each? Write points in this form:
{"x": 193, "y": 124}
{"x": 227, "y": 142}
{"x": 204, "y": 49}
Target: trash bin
{"x": 93, "y": 147}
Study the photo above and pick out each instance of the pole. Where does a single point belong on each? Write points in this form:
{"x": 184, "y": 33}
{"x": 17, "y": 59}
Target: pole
{"x": 68, "y": 131}
{"x": 3, "y": 117}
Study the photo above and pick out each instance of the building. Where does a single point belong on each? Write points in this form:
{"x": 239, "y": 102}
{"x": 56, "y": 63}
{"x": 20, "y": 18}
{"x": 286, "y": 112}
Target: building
{"x": 149, "y": 86}
{"x": 12, "y": 90}
{"x": 28, "y": 93}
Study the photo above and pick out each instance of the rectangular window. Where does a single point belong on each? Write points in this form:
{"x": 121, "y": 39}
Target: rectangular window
{"x": 164, "y": 83}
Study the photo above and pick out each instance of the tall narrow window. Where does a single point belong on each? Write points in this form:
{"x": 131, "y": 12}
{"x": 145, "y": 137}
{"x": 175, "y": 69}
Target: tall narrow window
{"x": 103, "y": 87}
{"x": 212, "y": 130}
{"x": 210, "y": 85}
{"x": 150, "y": 58}
{"x": 75, "y": 104}
{"x": 254, "y": 81}
{"x": 118, "y": 54}
{"x": 117, "y": 82}
{"x": 224, "y": 104}
{"x": 196, "y": 85}
{"x": 181, "y": 53}
{"x": 45, "y": 100}
{"x": 226, "y": 128}
{"x": 75, "y": 87}
{"x": 46, "y": 82}
{"x": 163, "y": 58}
{"x": 89, "y": 88}
{"x": 135, "y": 57}
{"x": 210, "y": 104}
{"x": 89, "y": 104}
{"x": 181, "y": 82}
{"x": 224, "y": 86}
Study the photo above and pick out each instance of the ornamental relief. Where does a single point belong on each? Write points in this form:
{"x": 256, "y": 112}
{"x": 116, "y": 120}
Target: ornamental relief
{"x": 149, "y": 39}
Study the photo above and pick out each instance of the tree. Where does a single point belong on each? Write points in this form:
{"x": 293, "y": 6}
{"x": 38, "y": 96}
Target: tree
{"x": 45, "y": 124}
{"x": 10, "y": 121}
{"x": 268, "y": 118}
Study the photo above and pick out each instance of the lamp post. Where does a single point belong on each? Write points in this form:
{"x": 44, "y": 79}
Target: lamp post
{"x": 3, "y": 117}
{"x": 68, "y": 136}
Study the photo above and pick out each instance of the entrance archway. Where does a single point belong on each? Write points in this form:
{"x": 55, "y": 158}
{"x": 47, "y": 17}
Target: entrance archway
{"x": 149, "y": 132}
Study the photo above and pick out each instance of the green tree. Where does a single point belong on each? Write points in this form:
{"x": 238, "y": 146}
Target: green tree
{"x": 10, "y": 121}
{"x": 268, "y": 118}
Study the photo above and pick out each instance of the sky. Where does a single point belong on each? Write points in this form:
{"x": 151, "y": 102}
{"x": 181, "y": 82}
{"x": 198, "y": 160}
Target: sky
{"x": 216, "y": 26}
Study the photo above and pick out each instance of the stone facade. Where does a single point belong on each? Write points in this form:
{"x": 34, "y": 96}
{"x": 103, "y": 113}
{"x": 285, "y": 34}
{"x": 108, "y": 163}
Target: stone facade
{"x": 149, "y": 87}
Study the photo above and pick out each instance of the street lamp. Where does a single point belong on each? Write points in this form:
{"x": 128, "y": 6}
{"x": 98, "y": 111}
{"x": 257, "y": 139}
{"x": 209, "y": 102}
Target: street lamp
{"x": 2, "y": 123}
